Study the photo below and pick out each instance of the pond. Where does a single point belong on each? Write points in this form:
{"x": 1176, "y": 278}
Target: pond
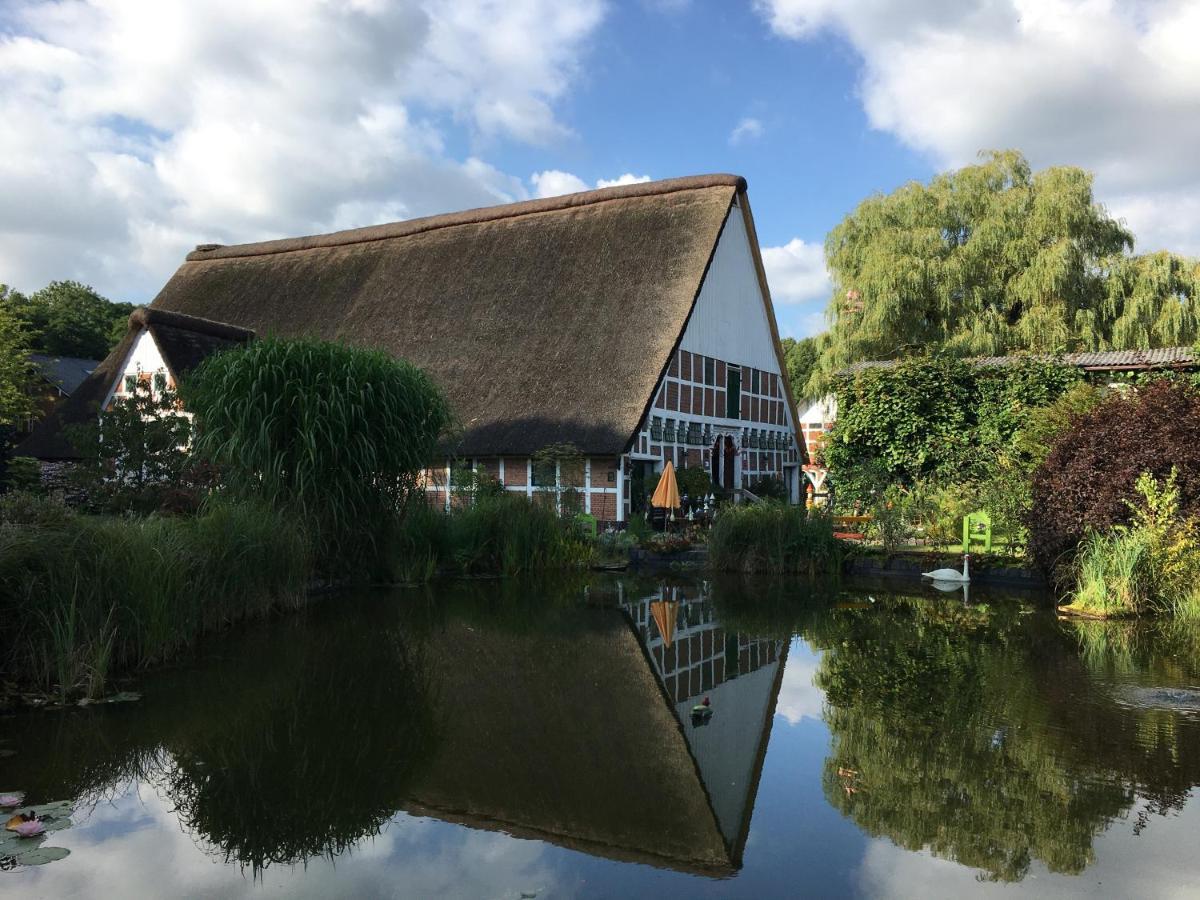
{"x": 549, "y": 738}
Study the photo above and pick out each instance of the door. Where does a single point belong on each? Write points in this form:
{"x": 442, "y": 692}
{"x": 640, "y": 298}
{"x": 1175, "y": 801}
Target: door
{"x": 728, "y": 465}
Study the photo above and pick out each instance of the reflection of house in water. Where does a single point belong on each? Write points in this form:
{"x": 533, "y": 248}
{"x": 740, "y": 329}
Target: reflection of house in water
{"x": 560, "y": 731}
{"x": 695, "y": 657}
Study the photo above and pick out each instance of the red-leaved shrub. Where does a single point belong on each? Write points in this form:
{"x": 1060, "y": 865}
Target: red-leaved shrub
{"x": 1094, "y": 463}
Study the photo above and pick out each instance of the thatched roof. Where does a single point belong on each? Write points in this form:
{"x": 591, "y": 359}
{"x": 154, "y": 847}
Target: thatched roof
{"x": 183, "y": 341}
{"x": 544, "y": 321}
{"x": 564, "y": 735}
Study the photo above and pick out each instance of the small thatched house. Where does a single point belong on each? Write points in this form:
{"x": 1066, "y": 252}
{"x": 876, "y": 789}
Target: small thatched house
{"x": 632, "y": 322}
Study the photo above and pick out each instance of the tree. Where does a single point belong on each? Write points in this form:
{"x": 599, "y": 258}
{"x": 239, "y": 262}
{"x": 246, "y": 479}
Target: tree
{"x": 801, "y": 358}
{"x": 994, "y": 258}
{"x": 135, "y": 457}
{"x": 15, "y": 400}
{"x": 66, "y": 318}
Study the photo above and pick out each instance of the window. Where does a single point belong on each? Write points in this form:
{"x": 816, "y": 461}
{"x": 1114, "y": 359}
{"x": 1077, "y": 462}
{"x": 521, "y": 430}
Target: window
{"x": 754, "y": 381}
{"x": 130, "y": 384}
{"x": 710, "y": 370}
{"x": 544, "y": 472}
{"x": 160, "y": 381}
{"x": 733, "y": 394}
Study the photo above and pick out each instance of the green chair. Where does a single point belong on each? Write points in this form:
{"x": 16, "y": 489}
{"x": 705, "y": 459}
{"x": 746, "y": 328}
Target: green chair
{"x": 977, "y": 528}
{"x": 586, "y": 524}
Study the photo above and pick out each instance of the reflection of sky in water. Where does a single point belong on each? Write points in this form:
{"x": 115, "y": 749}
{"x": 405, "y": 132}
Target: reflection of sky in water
{"x": 132, "y": 845}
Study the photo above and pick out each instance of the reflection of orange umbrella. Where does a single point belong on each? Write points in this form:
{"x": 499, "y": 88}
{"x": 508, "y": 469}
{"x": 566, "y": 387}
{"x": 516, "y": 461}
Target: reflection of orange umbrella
{"x": 664, "y": 617}
{"x": 666, "y": 495}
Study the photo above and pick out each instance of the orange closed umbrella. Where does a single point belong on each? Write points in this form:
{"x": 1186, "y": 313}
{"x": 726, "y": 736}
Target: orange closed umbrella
{"x": 666, "y": 495}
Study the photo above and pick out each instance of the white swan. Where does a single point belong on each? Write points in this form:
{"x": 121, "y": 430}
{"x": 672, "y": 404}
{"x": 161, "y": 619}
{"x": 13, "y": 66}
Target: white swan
{"x": 951, "y": 574}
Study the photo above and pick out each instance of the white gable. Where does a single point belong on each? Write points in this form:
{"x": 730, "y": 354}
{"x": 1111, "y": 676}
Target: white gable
{"x": 730, "y": 318}
{"x": 144, "y": 357}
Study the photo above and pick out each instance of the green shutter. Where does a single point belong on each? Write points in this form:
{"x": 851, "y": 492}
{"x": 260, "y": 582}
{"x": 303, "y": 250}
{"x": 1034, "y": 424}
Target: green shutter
{"x": 733, "y": 394}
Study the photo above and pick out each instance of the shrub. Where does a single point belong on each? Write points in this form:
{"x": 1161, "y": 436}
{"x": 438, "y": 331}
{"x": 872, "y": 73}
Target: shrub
{"x": 1151, "y": 566}
{"x": 769, "y": 488}
{"x": 695, "y": 481}
{"x": 932, "y": 418}
{"x": 135, "y": 457}
{"x": 502, "y": 534}
{"x": 337, "y": 434}
{"x": 771, "y": 537}
{"x": 1088, "y": 478}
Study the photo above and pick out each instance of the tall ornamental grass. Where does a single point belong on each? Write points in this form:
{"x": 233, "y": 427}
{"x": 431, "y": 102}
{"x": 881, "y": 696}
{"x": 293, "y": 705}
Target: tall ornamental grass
{"x": 1150, "y": 567}
{"x": 337, "y": 435}
{"x": 83, "y": 597}
{"x": 773, "y": 538}
{"x": 497, "y": 534}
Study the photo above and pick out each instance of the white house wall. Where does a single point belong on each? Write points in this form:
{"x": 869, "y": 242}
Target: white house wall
{"x": 729, "y": 321}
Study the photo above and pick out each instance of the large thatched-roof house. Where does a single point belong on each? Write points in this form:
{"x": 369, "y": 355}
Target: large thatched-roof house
{"x": 632, "y": 322}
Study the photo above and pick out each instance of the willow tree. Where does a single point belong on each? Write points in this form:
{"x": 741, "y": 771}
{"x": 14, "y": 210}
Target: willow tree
{"x": 995, "y": 258}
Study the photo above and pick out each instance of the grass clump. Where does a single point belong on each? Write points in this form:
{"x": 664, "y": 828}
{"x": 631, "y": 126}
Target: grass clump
{"x": 497, "y": 534}
{"x": 773, "y": 538}
{"x": 1150, "y": 567}
{"x": 83, "y": 597}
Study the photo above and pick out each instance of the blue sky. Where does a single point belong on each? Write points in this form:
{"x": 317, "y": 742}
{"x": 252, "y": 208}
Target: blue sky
{"x": 137, "y": 130}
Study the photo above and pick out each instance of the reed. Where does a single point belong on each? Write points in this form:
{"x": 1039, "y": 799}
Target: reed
{"x": 84, "y": 597}
{"x": 773, "y": 538}
{"x": 504, "y": 534}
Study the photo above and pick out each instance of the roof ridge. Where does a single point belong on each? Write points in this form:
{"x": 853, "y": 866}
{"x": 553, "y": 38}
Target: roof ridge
{"x": 479, "y": 215}
{"x": 144, "y": 316}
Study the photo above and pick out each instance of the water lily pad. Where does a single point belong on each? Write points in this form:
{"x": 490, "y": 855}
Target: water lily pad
{"x": 39, "y": 856}
{"x": 12, "y": 843}
{"x": 56, "y": 823}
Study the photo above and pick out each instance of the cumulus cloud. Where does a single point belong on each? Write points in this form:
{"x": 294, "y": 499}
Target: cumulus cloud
{"x": 627, "y": 178}
{"x": 796, "y": 272}
{"x": 748, "y": 129}
{"x": 1107, "y": 85}
{"x": 134, "y": 130}
{"x": 554, "y": 182}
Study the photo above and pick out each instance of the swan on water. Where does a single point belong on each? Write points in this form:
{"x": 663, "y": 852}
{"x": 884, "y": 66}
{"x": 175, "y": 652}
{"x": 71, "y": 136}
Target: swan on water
{"x": 951, "y": 574}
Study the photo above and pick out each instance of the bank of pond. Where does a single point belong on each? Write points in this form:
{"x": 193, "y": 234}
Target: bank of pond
{"x": 852, "y": 737}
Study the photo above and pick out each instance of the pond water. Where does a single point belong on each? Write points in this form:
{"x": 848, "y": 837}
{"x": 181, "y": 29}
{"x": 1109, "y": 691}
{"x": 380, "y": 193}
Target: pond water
{"x": 540, "y": 739}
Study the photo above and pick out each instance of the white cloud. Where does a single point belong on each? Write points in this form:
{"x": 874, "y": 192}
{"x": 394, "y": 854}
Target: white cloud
{"x": 796, "y": 272}
{"x": 799, "y": 698}
{"x": 134, "y": 130}
{"x": 627, "y": 178}
{"x": 554, "y": 182}
{"x": 1110, "y": 85}
{"x": 749, "y": 129}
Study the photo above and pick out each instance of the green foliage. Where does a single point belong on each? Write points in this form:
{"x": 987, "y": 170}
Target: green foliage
{"x": 695, "y": 481}
{"x": 801, "y": 358}
{"x": 498, "y": 534}
{"x": 83, "y": 597}
{"x": 1151, "y": 566}
{"x": 135, "y": 457}
{"x": 337, "y": 434}
{"x": 771, "y": 537}
{"x": 768, "y": 487}
{"x": 994, "y": 258}
{"x": 66, "y": 318}
{"x": 935, "y": 419}
{"x": 559, "y": 469}
{"x": 16, "y": 403}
